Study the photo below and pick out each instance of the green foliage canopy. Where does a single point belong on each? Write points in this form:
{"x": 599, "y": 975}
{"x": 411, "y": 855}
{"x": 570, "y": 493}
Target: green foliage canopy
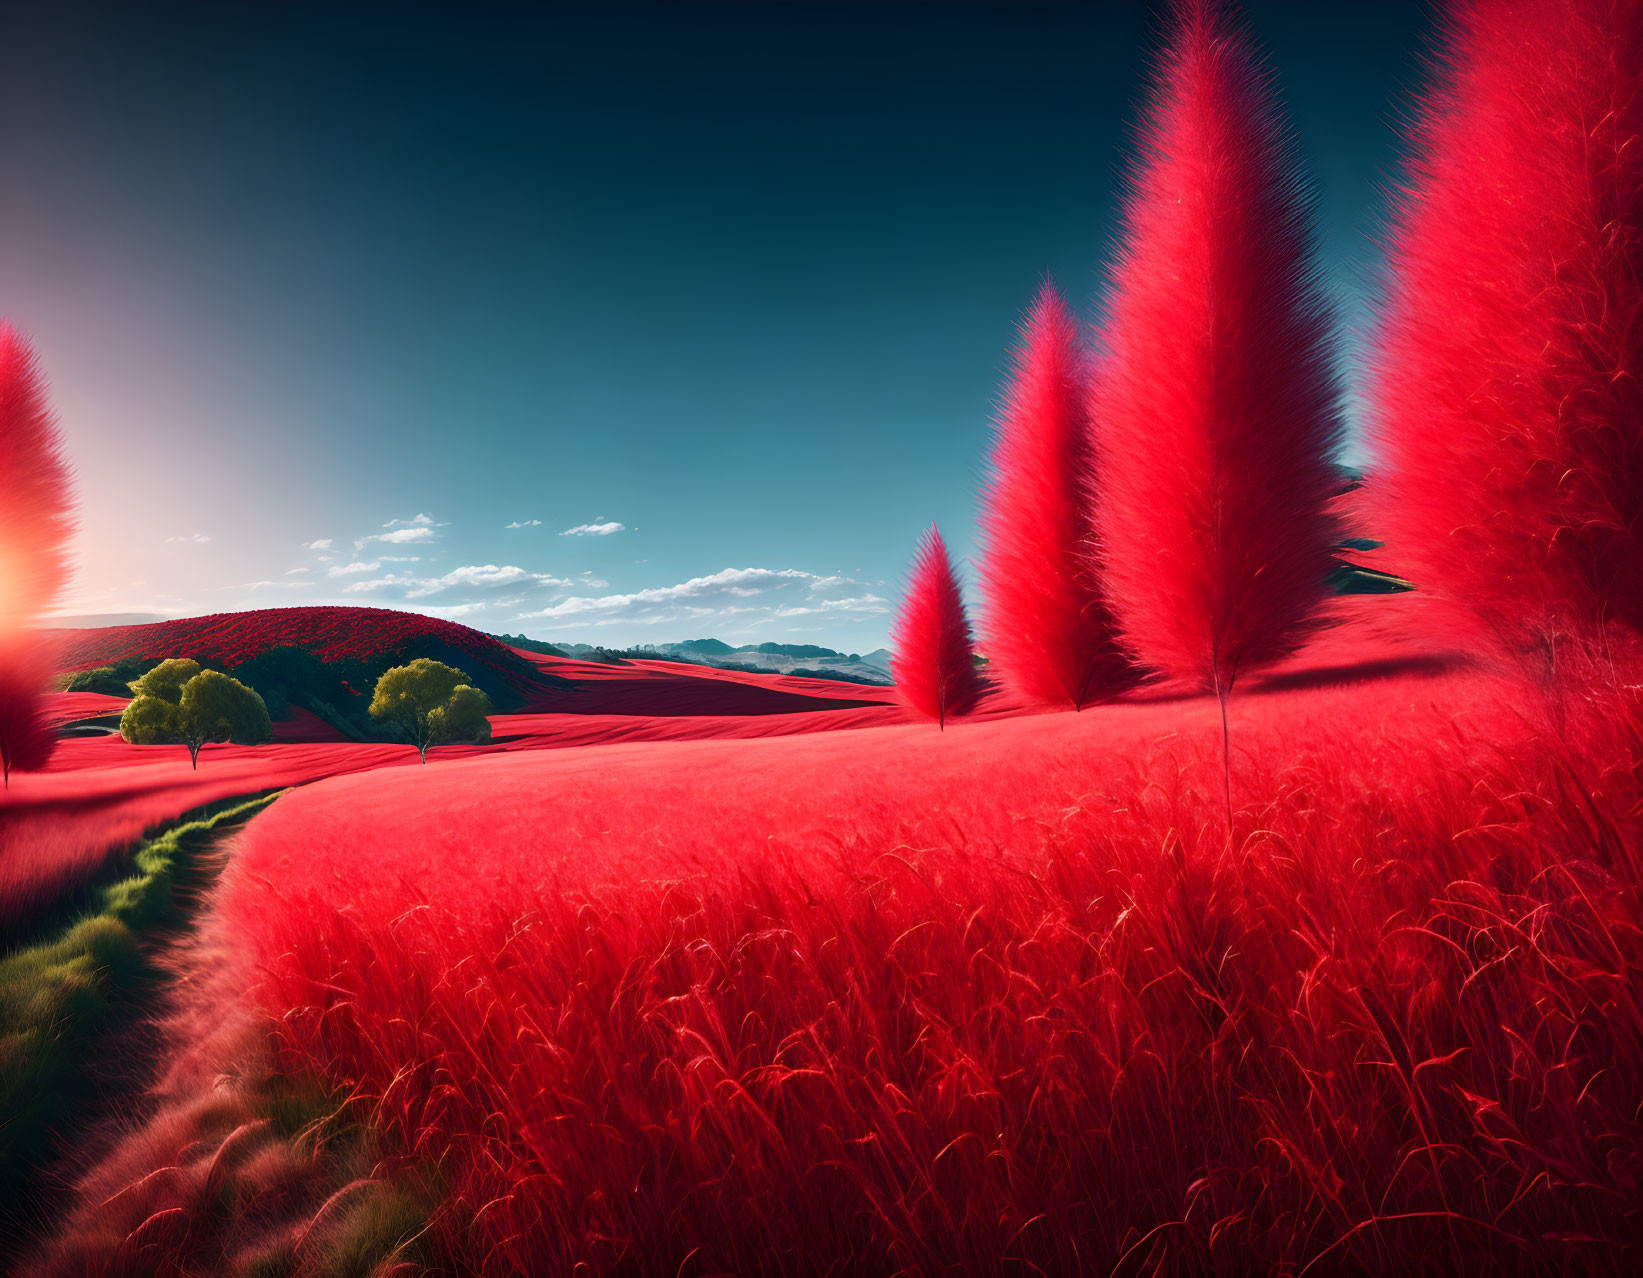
{"x": 166, "y": 680}
{"x": 149, "y": 721}
{"x": 112, "y": 680}
{"x": 177, "y": 702}
{"x": 431, "y": 703}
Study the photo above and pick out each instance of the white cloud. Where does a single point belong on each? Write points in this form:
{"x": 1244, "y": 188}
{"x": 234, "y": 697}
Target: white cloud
{"x": 594, "y": 529}
{"x": 525, "y": 523}
{"x": 732, "y": 592}
{"x": 354, "y": 569}
{"x": 254, "y": 586}
{"x": 857, "y": 603}
{"x": 400, "y": 537}
{"x": 485, "y": 577}
{"x": 324, "y": 543}
{"x": 418, "y": 530}
{"x": 394, "y": 581}
{"x": 490, "y": 575}
{"x": 457, "y": 612}
{"x": 196, "y": 539}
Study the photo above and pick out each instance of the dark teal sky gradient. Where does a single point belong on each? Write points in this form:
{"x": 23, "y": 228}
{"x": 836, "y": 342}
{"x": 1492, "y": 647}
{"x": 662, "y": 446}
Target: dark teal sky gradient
{"x": 739, "y": 277}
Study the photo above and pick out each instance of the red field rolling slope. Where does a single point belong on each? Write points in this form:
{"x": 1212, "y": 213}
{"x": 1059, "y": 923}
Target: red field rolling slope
{"x": 98, "y": 794}
{"x": 900, "y": 1000}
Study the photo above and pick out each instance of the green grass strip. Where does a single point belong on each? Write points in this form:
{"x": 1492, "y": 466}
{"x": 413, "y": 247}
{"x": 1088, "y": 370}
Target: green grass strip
{"x": 62, "y": 996}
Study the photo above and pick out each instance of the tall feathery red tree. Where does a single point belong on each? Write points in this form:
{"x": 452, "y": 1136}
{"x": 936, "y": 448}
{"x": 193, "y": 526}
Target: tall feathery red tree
{"x": 1507, "y": 386}
{"x": 35, "y": 526}
{"x": 932, "y": 659}
{"x": 1049, "y": 633}
{"x": 1217, "y": 407}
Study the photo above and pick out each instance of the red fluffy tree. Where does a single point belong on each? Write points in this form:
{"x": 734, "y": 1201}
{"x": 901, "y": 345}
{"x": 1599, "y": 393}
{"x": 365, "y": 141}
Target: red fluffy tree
{"x": 1218, "y": 406}
{"x": 35, "y": 524}
{"x": 26, "y": 736}
{"x": 933, "y": 662}
{"x": 1507, "y": 387}
{"x": 1049, "y": 633}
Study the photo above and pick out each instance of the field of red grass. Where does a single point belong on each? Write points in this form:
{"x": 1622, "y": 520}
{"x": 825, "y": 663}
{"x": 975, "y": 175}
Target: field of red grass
{"x": 62, "y": 826}
{"x": 98, "y": 794}
{"x": 1004, "y": 998}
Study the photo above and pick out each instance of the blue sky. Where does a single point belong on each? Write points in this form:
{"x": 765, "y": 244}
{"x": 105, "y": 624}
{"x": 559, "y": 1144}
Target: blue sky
{"x": 616, "y": 323}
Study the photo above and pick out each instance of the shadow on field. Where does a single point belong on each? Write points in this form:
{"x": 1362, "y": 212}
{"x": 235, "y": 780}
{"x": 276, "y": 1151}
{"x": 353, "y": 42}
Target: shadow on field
{"x": 1424, "y": 665}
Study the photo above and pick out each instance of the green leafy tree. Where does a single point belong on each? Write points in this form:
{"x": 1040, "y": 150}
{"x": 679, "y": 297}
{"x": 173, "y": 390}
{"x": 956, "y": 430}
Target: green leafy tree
{"x": 113, "y": 680}
{"x": 149, "y": 721}
{"x": 218, "y": 707}
{"x": 190, "y": 706}
{"x": 463, "y": 717}
{"x": 431, "y": 703}
{"x": 166, "y": 680}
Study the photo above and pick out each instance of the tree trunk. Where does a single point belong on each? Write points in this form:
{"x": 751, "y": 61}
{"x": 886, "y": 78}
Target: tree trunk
{"x": 1222, "y": 692}
{"x": 194, "y": 755}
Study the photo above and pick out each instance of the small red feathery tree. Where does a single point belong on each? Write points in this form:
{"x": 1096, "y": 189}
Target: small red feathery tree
{"x": 1049, "y": 632}
{"x": 26, "y": 735}
{"x": 1217, "y": 407}
{"x": 933, "y": 662}
{"x": 36, "y": 503}
{"x": 35, "y": 525}
{"x": 1507, "y": 386}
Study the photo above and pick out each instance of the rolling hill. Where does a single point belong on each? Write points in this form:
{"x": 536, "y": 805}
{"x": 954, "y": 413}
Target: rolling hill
{"x": 332, "y": 634}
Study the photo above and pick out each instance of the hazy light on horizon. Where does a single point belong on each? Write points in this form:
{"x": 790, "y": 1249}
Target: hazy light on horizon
{"x": 633, "y": 294}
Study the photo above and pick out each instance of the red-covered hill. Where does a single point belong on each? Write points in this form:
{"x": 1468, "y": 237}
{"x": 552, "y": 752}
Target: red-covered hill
{"x": 329, "y": 633}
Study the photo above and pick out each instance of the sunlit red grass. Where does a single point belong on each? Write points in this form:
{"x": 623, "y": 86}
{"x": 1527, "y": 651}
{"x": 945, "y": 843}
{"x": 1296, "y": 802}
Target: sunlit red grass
{"x": 999, "y": 997}
{"x": 62, "y": 827}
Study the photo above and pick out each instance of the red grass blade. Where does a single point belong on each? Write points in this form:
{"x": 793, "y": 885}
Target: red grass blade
{"x": 1217, "y": 408}
{"x": 1049, "y": 632}
{"x": 1507, "y": 409}
{"x": 934, "y": 664}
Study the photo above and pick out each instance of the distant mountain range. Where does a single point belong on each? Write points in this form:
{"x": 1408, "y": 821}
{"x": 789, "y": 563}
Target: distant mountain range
{"x": 805, "y": 659}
